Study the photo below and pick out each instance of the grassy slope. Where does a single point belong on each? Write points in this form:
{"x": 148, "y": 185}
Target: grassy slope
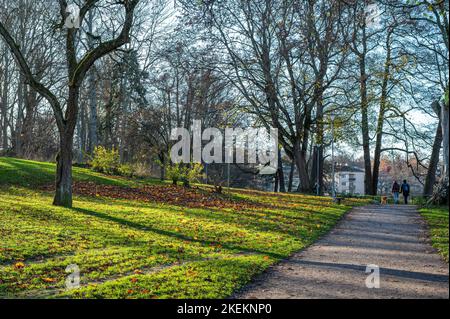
{"x": 29, "y": 174}
{"x": 133, "y": 249}
{"x": 437, "y": 218}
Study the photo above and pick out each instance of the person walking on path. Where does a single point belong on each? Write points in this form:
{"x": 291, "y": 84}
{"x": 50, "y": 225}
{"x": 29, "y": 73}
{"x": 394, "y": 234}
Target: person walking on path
{"x": 395, "y": 191}
{"x": 404, "y": 189}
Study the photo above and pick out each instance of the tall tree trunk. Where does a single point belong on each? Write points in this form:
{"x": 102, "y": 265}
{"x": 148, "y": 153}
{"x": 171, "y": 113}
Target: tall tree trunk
{"x": 4, "y": 105}
{"x": 445, "y": 137}
{"x": 365, "y": 127}
{"x": 108, "y": 104}
{"x": 381, "y": 114}
{"x": 20, "y": 118}
{"x": 291, "y": 176}
{"x": 277, "y": 180}
{"x": 93, "y": 139}
{"x": 30, "y": 100}
{"x": 82, "y": 132}
{"x": 124, "y": 95}
{"x": 318, "y": 96}
{"x": 430, "y": 179}
{"x": 281, "y": 173}
{"x": 162, "y": 159}
{"x": 63, "y": 193}
{"x": 445, "y": 132}
{"x": 317, "y": 170}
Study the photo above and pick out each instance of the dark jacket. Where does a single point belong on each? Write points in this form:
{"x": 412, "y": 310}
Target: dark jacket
{"x": 405, "y": 189}
{"x": 395, "y": 188}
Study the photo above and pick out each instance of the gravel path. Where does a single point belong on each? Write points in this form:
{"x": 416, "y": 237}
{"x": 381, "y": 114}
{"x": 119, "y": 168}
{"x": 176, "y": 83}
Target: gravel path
{"x": 392, "y": 237}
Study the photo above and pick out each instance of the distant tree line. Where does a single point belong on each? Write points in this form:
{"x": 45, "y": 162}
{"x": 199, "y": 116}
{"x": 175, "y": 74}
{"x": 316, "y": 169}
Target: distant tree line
{"x": 135, "y": 69}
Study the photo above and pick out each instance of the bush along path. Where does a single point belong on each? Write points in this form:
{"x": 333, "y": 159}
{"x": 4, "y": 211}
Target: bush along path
{"x": 394, "y": 238}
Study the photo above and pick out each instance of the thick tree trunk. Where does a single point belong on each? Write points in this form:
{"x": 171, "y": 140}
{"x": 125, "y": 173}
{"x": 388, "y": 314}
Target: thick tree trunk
{"x": 300, "y": 161}
{"x": 63, "y": 194}
{"x": 430, "y": 179}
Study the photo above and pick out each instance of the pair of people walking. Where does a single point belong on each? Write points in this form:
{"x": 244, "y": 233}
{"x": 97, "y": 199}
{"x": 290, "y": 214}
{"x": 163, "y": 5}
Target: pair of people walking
{"x": 403, "y": 189}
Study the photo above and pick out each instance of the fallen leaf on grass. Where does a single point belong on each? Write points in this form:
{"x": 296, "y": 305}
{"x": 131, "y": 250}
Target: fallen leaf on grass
{"x": 19, "y": 265}
{"x": 49, "y": 280}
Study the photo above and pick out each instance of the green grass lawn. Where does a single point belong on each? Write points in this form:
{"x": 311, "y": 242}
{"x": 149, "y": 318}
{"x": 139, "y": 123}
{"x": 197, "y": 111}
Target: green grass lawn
{"x": 145, "y": 249}
{"x": 437, "y": 219}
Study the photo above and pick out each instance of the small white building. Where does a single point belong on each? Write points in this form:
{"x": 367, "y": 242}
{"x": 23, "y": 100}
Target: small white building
{"x": 349, "y": 180}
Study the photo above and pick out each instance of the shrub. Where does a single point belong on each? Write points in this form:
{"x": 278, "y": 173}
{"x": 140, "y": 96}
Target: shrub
{"x": 105, "y": 161}
{"x": 174, "y": 172}
{"x": 125, "y": 170}
{"x": 108, "y": 162}
{"x": 187, "y": 174}
{"x": 193, "y": 174}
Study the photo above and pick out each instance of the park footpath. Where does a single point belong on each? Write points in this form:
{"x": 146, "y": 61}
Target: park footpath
{"x": 374, "y": 252}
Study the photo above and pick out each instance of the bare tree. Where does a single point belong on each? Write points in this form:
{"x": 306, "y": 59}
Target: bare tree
{"x": 76, "y": 71}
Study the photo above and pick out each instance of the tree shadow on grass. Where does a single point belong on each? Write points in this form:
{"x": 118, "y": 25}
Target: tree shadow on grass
{"x": 249, "y": 219}
{"x": 171, "y": 234}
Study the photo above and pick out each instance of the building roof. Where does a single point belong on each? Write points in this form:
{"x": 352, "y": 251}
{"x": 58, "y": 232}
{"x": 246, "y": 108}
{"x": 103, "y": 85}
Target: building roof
{"x": 345, "y": 168}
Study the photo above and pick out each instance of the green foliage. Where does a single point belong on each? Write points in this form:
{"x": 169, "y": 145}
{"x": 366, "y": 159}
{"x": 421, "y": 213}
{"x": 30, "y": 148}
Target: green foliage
{"x": 108, "y": 162}
{"x": 187, "y": 174}
{"x": 125, "y": 170}
{"x": 105, "y": 161}
{"x": 174, "y": 172}
{"x": 194, "y": 173}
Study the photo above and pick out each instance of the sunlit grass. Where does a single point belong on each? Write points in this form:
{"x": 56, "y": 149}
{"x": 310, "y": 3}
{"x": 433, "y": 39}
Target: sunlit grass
{"x": 437, "y": 219}
{"x": 132, "y": 249}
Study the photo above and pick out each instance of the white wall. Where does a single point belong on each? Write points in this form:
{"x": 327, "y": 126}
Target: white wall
{"x": 350, "y": 182}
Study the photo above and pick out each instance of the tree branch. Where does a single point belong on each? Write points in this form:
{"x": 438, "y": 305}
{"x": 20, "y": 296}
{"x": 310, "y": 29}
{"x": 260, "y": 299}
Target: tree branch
{"x": 104, "y": 48}
{"x": 30, "y": 79}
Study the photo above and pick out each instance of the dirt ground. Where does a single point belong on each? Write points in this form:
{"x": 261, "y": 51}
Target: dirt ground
{"x": 391, "y": 237}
